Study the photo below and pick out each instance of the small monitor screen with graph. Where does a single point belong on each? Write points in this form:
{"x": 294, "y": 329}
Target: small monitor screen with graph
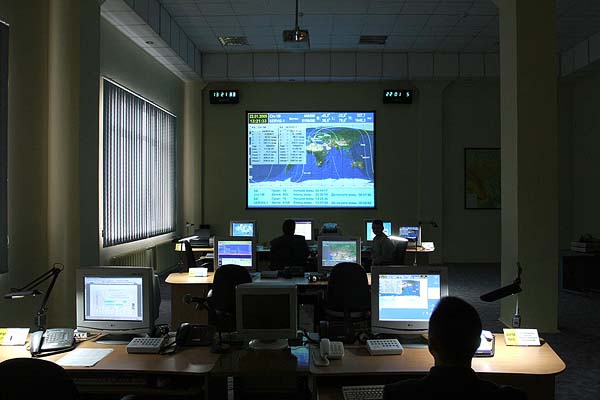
{"x": 235, "y": 250}
{"x": 337, "y": 249}
{"x": 242, "y": 228}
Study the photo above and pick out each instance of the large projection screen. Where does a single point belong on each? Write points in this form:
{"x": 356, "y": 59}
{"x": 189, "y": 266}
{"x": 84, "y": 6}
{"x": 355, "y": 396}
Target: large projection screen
{"x": 311, "y": 159}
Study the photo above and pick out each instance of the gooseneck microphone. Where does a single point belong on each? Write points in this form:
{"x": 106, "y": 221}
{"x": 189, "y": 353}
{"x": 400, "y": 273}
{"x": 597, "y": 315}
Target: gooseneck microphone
{"x": 505, "y": 291}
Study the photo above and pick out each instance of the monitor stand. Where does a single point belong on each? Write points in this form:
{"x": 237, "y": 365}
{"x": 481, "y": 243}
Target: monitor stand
{"x": 116, "y": 338}
{"x": 275, "y": 344}
{"x": 413, "y": 341}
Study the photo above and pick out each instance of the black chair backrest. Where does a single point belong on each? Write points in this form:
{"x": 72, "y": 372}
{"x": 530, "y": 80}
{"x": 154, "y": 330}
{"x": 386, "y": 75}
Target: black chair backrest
{"x": 35, "y": 378}
{"x": 348, "y": 288}
{"x": 190, "y": 261}
{"x": 400, "y": 251}
{"x": 226, "y": 278}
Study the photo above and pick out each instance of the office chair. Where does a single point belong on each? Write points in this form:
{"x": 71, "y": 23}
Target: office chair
{"x": 33, "y": 378}
{"x": 220, "y": 301}
{"x": 348, "y": 298}
{"x": 190, "y": 261}
{"x": 400, "y": 251}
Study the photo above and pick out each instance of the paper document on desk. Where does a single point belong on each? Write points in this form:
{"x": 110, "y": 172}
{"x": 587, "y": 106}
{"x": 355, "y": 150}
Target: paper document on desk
{"x": 83, "y": 357}
{"x": 428, "y": 246}
{"x": 487, "y": 344}
{"x": 13, "y": 336}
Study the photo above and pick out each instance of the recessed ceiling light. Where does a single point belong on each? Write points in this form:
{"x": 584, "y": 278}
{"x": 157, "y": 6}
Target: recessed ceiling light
{"x": 149, "y": 42}
{"x": 233, "y": 40}
{"x": 373, "y": 39}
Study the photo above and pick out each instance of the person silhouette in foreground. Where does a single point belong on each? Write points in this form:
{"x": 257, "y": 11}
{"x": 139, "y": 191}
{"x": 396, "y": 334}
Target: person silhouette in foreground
{"x": 454, "y": 335}
{"x": 288, "y": 249}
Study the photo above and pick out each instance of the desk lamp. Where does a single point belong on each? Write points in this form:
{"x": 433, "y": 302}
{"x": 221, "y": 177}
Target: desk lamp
{"x": 30, "y": 290}
{"x": 505, "y": 291}
{"x": 421, "y": 223}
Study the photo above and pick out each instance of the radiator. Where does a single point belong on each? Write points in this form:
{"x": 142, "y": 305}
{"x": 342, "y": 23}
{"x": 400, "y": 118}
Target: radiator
{"x": 139, "y": 258}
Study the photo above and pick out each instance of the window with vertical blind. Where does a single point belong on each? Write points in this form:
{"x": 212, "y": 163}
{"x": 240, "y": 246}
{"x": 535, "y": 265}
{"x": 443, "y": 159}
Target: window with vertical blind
{"x": 139, "y": 177}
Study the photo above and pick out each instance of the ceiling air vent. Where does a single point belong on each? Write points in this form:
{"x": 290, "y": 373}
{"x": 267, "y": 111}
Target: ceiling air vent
{"x": 374, "y": 39}
{"x": 233, "y": 40}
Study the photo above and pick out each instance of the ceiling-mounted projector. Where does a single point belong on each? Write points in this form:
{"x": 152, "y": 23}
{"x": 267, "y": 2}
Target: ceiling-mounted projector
{"x": 296, "y": 38}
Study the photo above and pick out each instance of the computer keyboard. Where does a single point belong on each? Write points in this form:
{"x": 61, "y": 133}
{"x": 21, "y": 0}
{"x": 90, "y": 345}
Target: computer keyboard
{"x": 365, "y": 392}
{"x": 269, "y": 274}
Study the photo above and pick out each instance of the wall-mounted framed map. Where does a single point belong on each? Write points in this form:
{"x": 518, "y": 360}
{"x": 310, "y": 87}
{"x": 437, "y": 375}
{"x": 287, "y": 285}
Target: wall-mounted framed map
{"x": 482, "y": 178}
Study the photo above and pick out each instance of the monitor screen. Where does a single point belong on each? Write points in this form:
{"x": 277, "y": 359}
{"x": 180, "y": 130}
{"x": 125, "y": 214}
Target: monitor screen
{"x": 235, "y": 250}
{"x": 403, "y": 298}
{"x": 266, "y": 311}
{"x": 119, "y": 300}
{"x": 304, "y": 228}
{"x": 242, "y": 228}
{"x": 335, "y": 250}
{"x": 409, "y": 232}
{"x": 312, "y": 159}
{"x": 369, "y": 235}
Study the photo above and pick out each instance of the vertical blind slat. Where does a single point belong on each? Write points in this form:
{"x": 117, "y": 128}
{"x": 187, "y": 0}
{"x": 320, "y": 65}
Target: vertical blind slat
{"x": 138, "y": 168}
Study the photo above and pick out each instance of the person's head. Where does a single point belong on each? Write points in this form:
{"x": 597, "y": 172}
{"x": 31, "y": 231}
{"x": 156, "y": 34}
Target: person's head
{"x": 454, "y": 332}
{"x": 377, "y": 226}
{"x": 289, "y": 226}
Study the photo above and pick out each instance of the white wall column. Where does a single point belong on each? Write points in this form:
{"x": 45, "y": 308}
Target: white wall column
{"x": 529, "y": 137}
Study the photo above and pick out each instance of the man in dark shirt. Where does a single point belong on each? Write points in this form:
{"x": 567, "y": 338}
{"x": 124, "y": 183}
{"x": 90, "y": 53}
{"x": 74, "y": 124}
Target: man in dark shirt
{"x": 288, "y": 250}
{"x": 454, "y": 335}
{"x": 382, "y": 252}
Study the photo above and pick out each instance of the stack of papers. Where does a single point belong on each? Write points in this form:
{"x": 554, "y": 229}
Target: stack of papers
{"x": 486, "y": 347}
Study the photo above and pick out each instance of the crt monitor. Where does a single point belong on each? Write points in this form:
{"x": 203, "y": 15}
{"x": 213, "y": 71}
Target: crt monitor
{"x": 304, "y": 227}
{"x": 267, "y": 314}
{"x": 369, "y": 235}
{"x": 236, "y": 250}
{"x": 337, "y": 249}
{"x": 411, "y": 233}
{"x": 403, "y": 298}
{"x": 121, "y": 302}
{"x": 242, "y": 228}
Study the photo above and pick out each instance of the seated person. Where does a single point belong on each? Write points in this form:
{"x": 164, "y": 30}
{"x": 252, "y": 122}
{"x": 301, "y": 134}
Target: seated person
{"x": 454, "y": 335}
{"x": 382, "y": 252}
{"x": 288, "y": 250}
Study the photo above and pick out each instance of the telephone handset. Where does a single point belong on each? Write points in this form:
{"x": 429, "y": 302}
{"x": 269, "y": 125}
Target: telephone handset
{"x": 328, "y": 350}
{"x": 51, "y": 340}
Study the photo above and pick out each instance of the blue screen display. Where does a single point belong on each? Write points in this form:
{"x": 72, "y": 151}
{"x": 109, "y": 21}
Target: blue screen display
{"x": 311, "y": 160}
{"x": 387, "y": 229}
{"x": 237, "y": 252}
{"x": 408, "y": 297}
{"x": 242, "y": 229}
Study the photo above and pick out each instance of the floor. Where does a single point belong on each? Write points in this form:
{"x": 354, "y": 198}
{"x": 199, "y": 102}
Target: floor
{"x": 577, "y": 342}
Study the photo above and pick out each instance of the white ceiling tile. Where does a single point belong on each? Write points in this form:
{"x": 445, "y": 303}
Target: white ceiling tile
{"x": 395, "y": 42}
{"x": 419, "y": 7}
{"x": 257, "y": 21}
{"x": 454, "y": 8}
{"x": 222, "y": 20}
{"x": 349, "y": 19}
{"x": 484, "y": 8}
{"x": 227, "y": 31}
{"x": 215, "y": 8}
{"x": 114, "y": 5}
{"x": 183, "y": 9}
{"x": 258, "y": 30}
{"x": 385, "y": 7}
{"x": 347, "y": 29}
{"x": 381, "y": 19}
{"x": 251, "y": 8}
{"x": 427, "y": 43}
{"x": 412, "y": 23}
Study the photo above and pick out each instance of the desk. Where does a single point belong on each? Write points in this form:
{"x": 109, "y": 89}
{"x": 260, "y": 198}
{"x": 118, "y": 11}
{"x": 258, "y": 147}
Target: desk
{"x": 181, "y": 374}
{"x": 191, "y": 371}
{"x": 532, "y": 369}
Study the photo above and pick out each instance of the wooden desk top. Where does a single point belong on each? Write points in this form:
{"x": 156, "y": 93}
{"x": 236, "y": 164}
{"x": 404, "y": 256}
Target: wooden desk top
{"x": 183, "y": 278}
{"x": 187, "y": 360}
{"x": 507, "y": 360}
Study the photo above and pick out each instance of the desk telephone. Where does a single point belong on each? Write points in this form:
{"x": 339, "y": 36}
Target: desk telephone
{"x": 328, "y": 350}
{"x": 51, "y": 340}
